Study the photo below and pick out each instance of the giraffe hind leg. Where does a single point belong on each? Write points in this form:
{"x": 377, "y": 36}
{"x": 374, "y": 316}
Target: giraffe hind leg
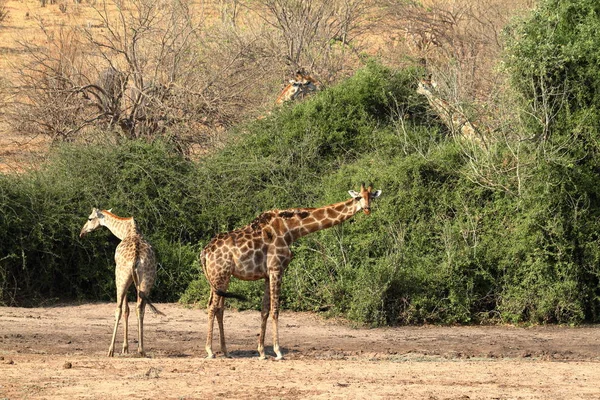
{"x": 140, "y": 310}
{"x": 211, "y": 318}
{"x": 125, "y": 308}
{"x": 219, "y": 313}
{"x": 120, "y": 297}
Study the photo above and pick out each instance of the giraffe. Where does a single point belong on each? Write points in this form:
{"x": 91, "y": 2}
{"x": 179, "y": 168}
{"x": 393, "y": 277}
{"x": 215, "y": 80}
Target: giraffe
{"x": 298, "y": 88}
{"x": 452, "y": 117}
{"x": 261, "y": 250}
{"x": 135, "y": 263}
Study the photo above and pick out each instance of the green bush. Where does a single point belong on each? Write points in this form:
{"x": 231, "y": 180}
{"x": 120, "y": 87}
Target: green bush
{"x": 44, "y": 210}
{"x": 554, "y": 60}
{"x": 283, "y": 161}
{"x": 458, "y": 236}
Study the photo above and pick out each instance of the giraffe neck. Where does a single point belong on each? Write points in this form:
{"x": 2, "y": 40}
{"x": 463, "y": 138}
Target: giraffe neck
{"x": 441, "y": 107}
{"x": 119, "y": 226}
{"x": 315, "y": 219}
{"x": 453, "y": 118}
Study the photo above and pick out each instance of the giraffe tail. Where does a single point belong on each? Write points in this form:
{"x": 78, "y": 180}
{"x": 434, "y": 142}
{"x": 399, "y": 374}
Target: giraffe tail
{"x": 152, "y": 307}
{"x": 143, "y": 295}
{"x": 136, "y": 282}
{"x": 230, "y": 295}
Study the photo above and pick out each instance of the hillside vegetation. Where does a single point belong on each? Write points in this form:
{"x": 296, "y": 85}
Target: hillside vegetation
{"x": 462, "y": 233}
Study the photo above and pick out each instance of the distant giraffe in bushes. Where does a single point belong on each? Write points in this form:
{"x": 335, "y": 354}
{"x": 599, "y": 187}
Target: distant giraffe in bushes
{"x": 298, "y": 88}
{"x": 135, "y": 263}
{"x": 452, "y": 117}
{"x": 261, "y": 250}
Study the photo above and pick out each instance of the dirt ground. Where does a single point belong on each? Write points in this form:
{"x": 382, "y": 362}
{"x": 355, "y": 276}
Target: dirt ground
{"x": 60, "y": 353}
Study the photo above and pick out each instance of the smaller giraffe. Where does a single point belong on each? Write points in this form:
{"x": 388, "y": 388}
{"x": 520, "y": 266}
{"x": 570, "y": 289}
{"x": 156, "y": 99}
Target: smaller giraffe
{"x": 452, "y": 117}
{"x": 135, "y": 263}
{"x": 298, "y": 88}
{"x": 261, "y": 250}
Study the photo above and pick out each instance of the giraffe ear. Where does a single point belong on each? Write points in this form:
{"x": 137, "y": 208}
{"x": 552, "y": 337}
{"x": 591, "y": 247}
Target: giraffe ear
{"x": 353, "y": 193}
{"x": 376, "y": 194}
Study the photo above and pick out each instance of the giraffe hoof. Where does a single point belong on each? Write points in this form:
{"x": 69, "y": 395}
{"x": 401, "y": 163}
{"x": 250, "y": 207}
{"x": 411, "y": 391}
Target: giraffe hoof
{"x": 210, "y": 356}
{"x": 279, "y": 358}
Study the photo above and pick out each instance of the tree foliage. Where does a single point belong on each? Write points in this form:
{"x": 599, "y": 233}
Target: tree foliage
{"x": 553, "y": 59}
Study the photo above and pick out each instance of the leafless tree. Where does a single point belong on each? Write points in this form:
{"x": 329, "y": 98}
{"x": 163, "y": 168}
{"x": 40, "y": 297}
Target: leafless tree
{"x": 316, "y": 34}
{"x": 229, "y": 10}
{"x": 44, "y": 100}
{"x": 147, "y": 69}
{"x": 460, "y": 40}
{"x": 143, "y": 71}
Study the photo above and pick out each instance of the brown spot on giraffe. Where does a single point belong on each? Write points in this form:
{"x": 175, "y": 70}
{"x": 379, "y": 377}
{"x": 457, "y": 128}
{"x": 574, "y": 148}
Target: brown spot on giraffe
{"x": 319, "y": 214}
{"x": 332, "y": 214}
{"x": 135, "y": 263}
{"x": 271, "y": 235}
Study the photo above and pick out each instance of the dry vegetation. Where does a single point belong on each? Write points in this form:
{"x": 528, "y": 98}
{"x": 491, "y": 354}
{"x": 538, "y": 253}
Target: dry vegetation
{"x": 188, "y": 70}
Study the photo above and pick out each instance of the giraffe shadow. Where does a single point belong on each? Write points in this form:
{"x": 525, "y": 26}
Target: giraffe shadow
{"x": 178, "y": 355}
{"x": 268, "y": 352}
{"x": 243, "y": 353}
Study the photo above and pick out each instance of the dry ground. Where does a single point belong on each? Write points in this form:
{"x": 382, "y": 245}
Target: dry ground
{"x": 60, "y": 353}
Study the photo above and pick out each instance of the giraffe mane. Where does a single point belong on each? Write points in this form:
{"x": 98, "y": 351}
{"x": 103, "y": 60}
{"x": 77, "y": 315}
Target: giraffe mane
{"x": 265, "y": 218}
{"x": 260, "y": 221}
{"x": 115, "y": 216}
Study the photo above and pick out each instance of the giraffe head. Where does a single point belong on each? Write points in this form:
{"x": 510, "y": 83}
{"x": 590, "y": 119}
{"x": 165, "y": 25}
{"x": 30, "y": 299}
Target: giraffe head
{"x": 364, "y": 198}
{"x": 301, "y": 86}
{"x": 427, "y": 86}
{"x": 303, "y": 78}
{"x": 95, "y": 220}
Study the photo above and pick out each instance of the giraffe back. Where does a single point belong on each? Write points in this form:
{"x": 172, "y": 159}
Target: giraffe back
{"x": 137, "y": 256}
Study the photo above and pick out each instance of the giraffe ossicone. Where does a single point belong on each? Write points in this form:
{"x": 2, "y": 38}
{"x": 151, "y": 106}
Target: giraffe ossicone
{"x": 261, "y": 250}
{"x": 135, "y": 263}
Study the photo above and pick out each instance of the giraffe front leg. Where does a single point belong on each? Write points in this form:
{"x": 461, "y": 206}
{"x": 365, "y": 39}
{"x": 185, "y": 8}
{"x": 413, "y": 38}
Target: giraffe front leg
{"x": 111, "y": 349}
{"x": 275, "y": 286}
{"x": 140, "y": 310}
{"x": 125, "y": 308}
{"x": 264, "y": 316}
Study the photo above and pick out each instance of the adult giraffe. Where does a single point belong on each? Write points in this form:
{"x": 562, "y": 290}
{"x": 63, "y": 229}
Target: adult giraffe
{"x": 261, "y": 250}
{"x": 135, "y": 263}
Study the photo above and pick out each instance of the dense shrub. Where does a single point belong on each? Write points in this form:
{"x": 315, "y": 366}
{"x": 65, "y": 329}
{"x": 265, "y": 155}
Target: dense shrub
{"x": 44, "y": 210}
{"x": 459, "y": 235}
{"x": 554, "y": 60}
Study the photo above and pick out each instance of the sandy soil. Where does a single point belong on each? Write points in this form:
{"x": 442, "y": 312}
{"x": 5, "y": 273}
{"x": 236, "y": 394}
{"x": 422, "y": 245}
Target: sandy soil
{"x": 60, "y": 353}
